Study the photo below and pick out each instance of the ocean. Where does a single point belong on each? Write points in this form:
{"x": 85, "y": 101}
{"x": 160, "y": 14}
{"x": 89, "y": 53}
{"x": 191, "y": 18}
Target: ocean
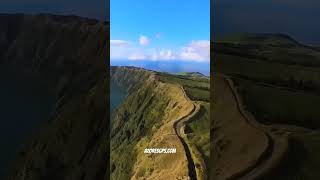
{"x": 170, "y": 66}
{"x": 117, "y": 95}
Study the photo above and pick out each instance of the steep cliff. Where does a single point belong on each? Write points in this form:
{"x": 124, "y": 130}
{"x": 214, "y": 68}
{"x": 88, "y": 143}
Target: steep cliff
{"x": 69, "y": 54}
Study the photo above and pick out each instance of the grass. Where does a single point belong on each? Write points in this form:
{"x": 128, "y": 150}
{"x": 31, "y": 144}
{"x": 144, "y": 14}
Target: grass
{"x": 271, "y": 51}
{"x": 185, "y": 81}
{"x": 302, "y": 161}
{"x": 265, "y": 71}
{"x": 199, "y": 131}
{"x": 197, "y": 94}
{"x": 197, "y": 88}
{"x": 273, "y": 105}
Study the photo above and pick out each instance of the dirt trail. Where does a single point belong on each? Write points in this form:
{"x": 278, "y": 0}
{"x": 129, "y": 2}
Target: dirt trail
{"x": 179, "y": 130}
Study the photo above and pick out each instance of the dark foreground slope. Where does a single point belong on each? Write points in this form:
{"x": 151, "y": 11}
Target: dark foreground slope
{"x": 147, "y": 117}
{"x": 68, "y": 53}
{"x": 274, "y": 82}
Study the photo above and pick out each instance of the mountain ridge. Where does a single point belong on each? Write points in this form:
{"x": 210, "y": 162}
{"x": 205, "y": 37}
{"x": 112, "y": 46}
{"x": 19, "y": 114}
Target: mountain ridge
{"x": 258, "y": 38}
{"x": 146, "y": 119}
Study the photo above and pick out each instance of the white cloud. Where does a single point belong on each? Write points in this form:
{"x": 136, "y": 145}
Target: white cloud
{"x": 118, "y": 43}
{"x": 163, "y": 54}
{"x": 137, "y": 56}
{"x": 196, "y": 51}
{"x": 120, "y": 49}
{"x": 167, "y": 55}
{"x": 144, "y": 40}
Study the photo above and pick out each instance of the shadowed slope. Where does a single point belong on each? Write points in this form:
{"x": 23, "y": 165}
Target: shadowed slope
{"x": 69, "y": 54}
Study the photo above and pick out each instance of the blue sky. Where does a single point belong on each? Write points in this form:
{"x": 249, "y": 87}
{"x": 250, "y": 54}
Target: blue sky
{"x": 160, "y": 30}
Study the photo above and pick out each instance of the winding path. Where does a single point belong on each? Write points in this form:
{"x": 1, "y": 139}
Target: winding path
{"x": 179, "y": 126}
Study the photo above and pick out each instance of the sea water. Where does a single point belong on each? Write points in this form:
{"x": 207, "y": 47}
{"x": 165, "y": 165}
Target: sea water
{"x": 117, "y": 95}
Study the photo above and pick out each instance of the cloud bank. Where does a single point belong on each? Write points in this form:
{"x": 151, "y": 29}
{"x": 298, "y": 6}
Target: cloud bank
{"x": 196, "y": 50}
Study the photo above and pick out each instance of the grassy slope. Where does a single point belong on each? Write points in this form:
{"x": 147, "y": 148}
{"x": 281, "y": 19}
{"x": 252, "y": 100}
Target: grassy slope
{"x": 197, "y": 88}
{"x": 134, "y": 119}
{"x": 142, "y": 115}
{"x": 281, "y": 106}
{"x": 302, "y": 161}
